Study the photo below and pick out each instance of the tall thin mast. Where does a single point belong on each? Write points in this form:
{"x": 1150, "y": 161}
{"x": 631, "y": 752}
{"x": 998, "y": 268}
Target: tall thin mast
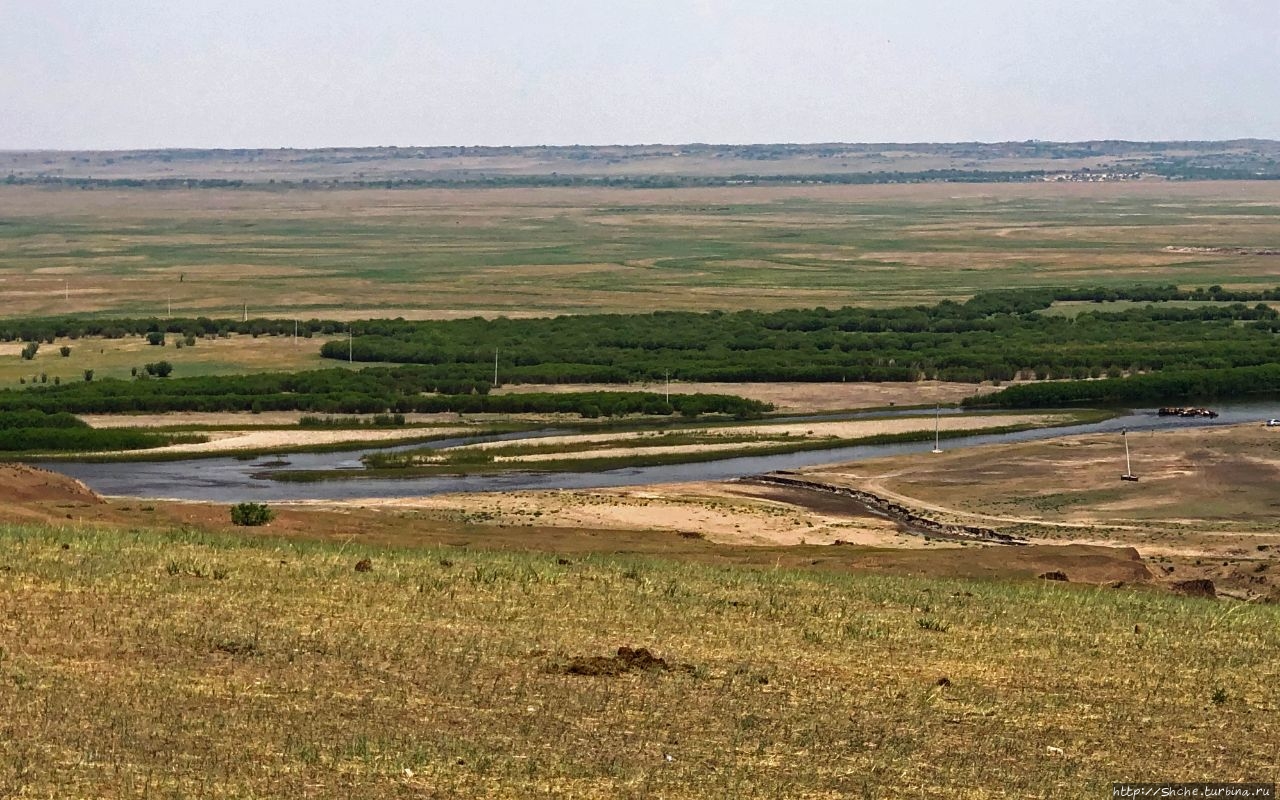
{"x": 1128, "y": 465}
{"x": 937, "y": 428}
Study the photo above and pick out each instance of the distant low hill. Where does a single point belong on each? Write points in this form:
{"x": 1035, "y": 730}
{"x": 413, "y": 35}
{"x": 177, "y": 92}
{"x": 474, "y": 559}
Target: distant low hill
{"x": 655, "y": 165}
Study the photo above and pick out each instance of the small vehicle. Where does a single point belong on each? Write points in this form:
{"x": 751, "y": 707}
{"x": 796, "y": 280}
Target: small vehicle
{"x": 1273, "y": 423}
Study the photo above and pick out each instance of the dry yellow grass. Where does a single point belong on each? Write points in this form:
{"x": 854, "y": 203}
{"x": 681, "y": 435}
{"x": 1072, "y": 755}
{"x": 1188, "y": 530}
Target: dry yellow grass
{"x": 438, "y": 253}
{"x": 179, "y": 665}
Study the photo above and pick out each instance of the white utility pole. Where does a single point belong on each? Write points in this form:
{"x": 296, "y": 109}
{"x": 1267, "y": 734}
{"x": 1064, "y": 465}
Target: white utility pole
{"x": 1128, "y": 465}
{"x": 295, "y": 333}
{"x": 495, "y": 366}
{"x": 937, "y": 423}
{"x": 350, "y": 347}
{"x": 666, "y": 374}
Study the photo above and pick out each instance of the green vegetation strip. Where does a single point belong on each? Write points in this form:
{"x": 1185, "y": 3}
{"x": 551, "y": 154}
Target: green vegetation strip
{"x": 1164, "y": 387}
{"x": 993, "y": 336}
{"x": 377, "y": 390}
{"x": 24, "y": 433}
{"x": 182, "y": 664}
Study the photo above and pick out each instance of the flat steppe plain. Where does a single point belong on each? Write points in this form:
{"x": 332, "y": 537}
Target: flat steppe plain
{"x": 443, "y": 253}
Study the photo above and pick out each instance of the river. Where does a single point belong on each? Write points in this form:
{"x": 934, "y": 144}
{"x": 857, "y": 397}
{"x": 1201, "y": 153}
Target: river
{"x": 231, "y": 480}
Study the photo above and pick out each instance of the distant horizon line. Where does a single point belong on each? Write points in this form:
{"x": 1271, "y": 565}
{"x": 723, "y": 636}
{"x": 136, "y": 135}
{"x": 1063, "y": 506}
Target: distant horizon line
{"x": 637, "y": 145}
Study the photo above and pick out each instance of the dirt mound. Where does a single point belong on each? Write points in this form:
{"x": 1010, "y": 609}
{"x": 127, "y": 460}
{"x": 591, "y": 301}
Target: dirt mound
{"x": 626, "y": 660}
{"x": 21, "y": 484}
{"x": 1083, "y": 563}
{"x": 1197, "y": 587}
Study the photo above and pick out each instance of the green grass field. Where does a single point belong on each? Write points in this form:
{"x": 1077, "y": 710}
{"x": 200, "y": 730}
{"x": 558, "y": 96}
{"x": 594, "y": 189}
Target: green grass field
{"x": 117, "y": 358}
{"x": 171, "y": 664}
{"x": 430, "y": 253}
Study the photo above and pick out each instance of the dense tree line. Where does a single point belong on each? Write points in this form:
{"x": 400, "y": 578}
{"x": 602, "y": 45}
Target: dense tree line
{"x": 1163, "y": 387}
{"x": 36, "y": 431}
{"x": 993, "y": 336}
{"x": 375, "y": 390}
{"x": 47, "y": 329}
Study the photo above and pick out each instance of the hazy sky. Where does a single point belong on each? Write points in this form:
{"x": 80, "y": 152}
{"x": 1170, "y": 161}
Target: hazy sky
{"x": 308, "y": 73}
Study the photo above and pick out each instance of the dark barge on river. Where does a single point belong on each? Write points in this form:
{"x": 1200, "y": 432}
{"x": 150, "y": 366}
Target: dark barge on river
{"x": 1187, "y": 412}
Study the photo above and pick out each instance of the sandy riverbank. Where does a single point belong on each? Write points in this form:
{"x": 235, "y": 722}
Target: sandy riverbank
{"x": 726, "y": 513}
{"x": 235, "y": 441}
{"x": 615, "y": 445}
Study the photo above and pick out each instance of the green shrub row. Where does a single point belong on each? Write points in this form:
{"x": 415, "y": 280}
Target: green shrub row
{"x": 1159, "y": 388}
{"x": 993, "y": 336}
{"x": 377, "y": 390}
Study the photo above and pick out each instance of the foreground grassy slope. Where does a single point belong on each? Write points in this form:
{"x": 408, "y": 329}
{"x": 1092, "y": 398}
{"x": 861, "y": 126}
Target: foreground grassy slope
{"x": 178, "y": 664}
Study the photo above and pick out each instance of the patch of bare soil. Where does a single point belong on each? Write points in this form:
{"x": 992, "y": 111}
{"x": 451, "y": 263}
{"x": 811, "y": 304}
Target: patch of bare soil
{"x": 31, "y": 494}
{"x": 795, "y": 397}
{"x": 231, "y": 441}
{"x": 1080, "y": 563}
{"x": 817, "y": 502}
{"x": 1194, "y": 587}
{"x": 729, "y": 514}
{"x": 625, "y": 660}
{"x": 24, "y": 484}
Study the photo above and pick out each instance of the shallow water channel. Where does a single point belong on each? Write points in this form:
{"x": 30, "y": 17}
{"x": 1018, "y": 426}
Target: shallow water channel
{"x": 231, "y": 480}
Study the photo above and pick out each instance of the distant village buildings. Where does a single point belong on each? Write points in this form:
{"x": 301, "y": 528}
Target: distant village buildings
{"x": 1088, "y": 176}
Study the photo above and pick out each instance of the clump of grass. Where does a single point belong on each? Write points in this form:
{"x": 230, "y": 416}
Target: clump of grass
{"x": 932, "y": 624}
{"x": 237, "y": 647}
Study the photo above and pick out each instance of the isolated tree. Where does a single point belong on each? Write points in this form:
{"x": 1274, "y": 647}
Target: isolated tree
{"x": 65, "y": 351}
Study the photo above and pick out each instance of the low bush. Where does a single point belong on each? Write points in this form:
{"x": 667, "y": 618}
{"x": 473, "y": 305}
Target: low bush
{"x": 251, "y": 514}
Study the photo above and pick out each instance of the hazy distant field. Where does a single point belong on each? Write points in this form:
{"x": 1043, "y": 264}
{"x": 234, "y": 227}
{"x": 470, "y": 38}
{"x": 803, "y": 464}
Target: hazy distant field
{"x": 1216, "y": 159}
{"x": 435, "y": 253}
